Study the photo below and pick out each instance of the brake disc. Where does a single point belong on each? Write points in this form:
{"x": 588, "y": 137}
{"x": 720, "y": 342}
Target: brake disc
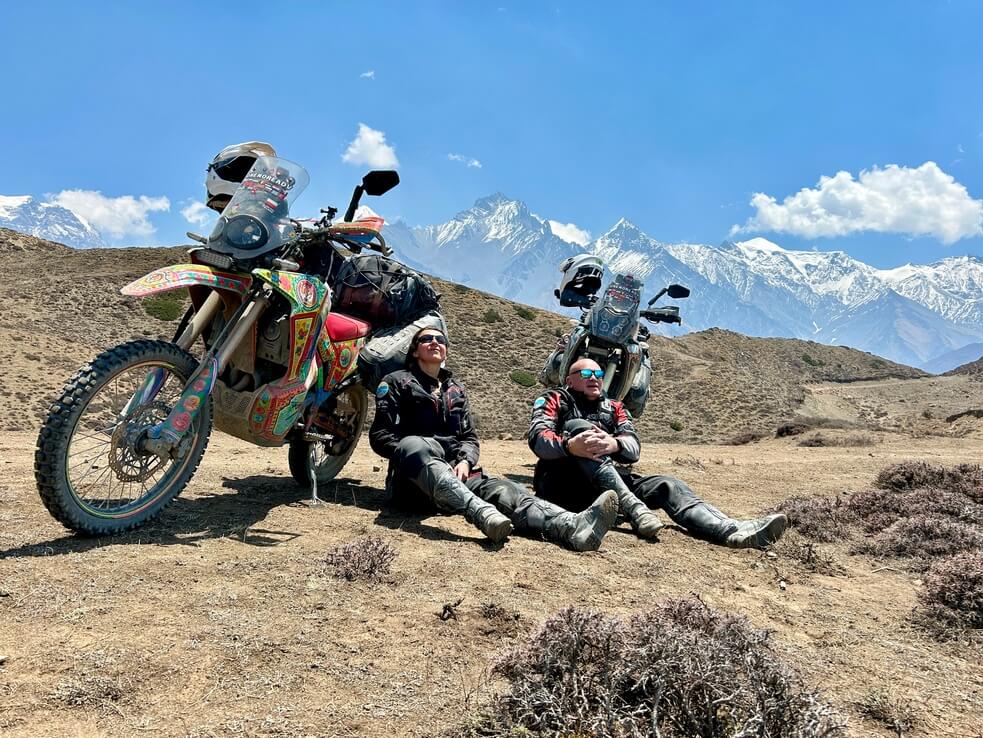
{"x": 127, "y": 463}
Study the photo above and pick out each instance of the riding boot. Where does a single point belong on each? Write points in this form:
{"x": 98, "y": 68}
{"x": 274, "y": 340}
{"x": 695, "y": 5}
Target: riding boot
{"x": 643, "y": 521}
{"x": 757, "y": 533}
{"x": 451, "y": 494}
{"x": 706, "y": 521}
{"x": 579, "y": 531}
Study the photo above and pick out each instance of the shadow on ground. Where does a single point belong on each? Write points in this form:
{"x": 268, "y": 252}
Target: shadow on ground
{"x": 188, "y": 521}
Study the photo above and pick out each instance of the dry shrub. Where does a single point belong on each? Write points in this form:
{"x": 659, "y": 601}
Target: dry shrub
{"x": 682, "y": 669}
{"x": 742, "y": 439}
{"x": 820, "y": 518}
{"x": 812, "y": 556}
{"x": 966, "y": 479}
{"x": 90, "y": 690}
{"x": 895, "y": 714}
{"x": 952, "y": 591}
{"x": 364, "y": 558}
{"x": 849, "y": 440}
{"x": 786, "y": 430}
{"x": 881, "y": 508}
{"x": 923, "y": 538}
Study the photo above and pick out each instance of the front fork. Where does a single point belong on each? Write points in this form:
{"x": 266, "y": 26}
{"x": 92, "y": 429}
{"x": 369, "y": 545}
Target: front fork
{"x": 168, "y": 438}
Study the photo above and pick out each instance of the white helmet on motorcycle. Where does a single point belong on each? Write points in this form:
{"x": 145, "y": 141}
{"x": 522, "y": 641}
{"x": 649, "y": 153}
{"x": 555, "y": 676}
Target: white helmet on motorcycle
{"x": 582, "y": 277}
{"x": 229, "y": 168}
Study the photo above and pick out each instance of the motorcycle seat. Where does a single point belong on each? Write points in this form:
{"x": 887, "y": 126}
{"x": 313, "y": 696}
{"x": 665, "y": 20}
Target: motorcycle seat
{"x": 343, "y": 327}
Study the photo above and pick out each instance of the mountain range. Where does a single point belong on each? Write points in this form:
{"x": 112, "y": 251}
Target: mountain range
{"x": 927, "y": 316}
{"x": 49, "y": 221}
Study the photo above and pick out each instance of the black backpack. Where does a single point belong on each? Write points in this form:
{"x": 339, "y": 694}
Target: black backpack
{"x": 382, "y": 291}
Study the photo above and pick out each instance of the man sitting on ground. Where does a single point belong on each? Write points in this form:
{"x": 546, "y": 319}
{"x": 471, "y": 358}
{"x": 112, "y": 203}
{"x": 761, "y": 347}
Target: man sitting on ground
{"x": 579, "y": 434}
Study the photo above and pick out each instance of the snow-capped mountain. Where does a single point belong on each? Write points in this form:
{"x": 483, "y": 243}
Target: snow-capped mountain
{"x": 47, "y": 220}
{"x": 915, "y": 314}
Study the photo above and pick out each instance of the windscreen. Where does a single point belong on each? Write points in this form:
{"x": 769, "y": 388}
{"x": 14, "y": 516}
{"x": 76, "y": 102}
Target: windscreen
{"x": 256, "y": 220}
{"x": 615, "y": 316}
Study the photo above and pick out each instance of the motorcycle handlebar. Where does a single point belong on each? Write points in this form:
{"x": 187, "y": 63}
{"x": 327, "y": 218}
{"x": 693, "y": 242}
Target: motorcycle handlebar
{"x": 668, "y": 314}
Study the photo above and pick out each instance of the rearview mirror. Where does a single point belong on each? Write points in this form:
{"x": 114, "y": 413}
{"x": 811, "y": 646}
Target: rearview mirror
{"x": 677, "y": 291}
{"x": 379, "y": 182}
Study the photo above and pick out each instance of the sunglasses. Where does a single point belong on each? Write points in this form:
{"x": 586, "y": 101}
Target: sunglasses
{"x": 430, "y": 339}
{"x": 588, "y": 373}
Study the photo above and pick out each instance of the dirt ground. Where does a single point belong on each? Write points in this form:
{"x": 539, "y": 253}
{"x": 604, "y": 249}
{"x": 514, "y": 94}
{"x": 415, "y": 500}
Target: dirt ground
{"x": 222, "y": 619}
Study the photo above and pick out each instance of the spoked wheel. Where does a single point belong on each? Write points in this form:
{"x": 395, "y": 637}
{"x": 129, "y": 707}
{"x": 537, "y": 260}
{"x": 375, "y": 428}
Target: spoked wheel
{"x": 92, "y": 473}
{"x": 343, "y": 425}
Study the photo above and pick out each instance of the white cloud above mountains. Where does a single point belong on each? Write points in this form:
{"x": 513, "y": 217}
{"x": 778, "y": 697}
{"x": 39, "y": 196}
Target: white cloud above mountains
{"x": 370, "y": 74}
{"x": 915, "y": 201}
{"x": 115, "y": 217}
{"x": 369, "y": 148}
{"x": 570, "y": 233}
{"x": 471, "y": 163}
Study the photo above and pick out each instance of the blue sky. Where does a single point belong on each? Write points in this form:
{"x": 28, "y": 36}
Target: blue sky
{"x": 673, "y": 115}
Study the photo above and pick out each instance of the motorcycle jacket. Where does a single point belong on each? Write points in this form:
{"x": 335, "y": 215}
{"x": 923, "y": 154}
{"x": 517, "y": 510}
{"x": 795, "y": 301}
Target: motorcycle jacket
{"x": 555, "y": 407}
{"x": 410, "y": 402}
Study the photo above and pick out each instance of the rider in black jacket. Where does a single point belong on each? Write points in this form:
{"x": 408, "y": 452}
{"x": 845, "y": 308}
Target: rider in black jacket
{"x": 423, "y": 426}
{"x": 579, "y": 434}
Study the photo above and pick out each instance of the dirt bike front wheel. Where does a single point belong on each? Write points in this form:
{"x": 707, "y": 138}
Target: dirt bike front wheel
{"x": 91, "y": 473}
{"x": 344, "y": 424}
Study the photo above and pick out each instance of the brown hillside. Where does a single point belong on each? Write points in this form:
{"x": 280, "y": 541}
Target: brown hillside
{"x": 974, "y": 369}
{"x": 60, "y": 307}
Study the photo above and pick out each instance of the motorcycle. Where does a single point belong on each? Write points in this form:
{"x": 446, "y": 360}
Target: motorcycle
{"x": 278, "y": 366}
{"x": 610, "y": 330}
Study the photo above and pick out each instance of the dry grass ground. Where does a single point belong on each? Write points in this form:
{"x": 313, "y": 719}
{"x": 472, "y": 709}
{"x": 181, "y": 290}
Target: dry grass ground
{"x": 224, "y": 619}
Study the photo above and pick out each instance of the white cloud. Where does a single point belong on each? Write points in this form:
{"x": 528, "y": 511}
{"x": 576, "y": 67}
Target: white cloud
{"x": 197, "y": 214}
{"x": 570, "y": 233}
{"x": 115, "y": 217}
{"x": 920, "y": 201}
{"x": 474, "y": 163}
{"x": 367, "y": 75}
{"x": 369, "y": 147}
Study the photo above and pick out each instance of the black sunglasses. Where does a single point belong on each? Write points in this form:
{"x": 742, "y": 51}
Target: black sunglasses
{"x": 431, "y": 337}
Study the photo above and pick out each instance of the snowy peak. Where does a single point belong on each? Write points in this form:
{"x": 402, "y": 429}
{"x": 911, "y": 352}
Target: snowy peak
{"x": 49, "y": 221}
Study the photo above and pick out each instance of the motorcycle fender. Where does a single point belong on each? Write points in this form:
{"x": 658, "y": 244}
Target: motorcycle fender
{"x": 175, "y": 277}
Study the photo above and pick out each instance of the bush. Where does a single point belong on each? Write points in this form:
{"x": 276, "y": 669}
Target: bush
{"x": 524, "y": 312}
{"x": 895, "y": 714}
{"x": 812, "y": 361}
{"x": 167, "y": 306}
{"x": 923, "y": 538}
{"x": 966, "y": 479}
{"x": 742, "y": 439}
{"x": 364, "y": 558}
{"x": 880, "y": 508}
{"x": 789, "y": 429}
{"x": 523, "y": 378}
{"x": 491, "y": 315}
{"x": 820, "y": 518}
{"x": 952, "y": 591}
{"x": 682, "y": 669}
{"x": 676, "y": 425}
{"x": 849, "y": 440}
